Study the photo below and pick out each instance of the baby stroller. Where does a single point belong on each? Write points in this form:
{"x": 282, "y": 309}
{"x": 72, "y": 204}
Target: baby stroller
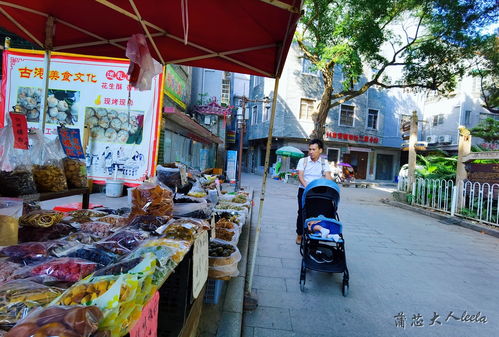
{"x": 324, "y": 254}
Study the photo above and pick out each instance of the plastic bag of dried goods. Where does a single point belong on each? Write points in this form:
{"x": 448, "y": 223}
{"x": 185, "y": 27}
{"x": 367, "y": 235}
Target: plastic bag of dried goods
{"x": 48, "y": 169}
{"x": 66, "y": 269}
{"x": 90, "y": 253}
{"x": 58, "y": 321}
{"x": 42, "y": 234}
{"x": 16, "y": 177}
{"x": 20, "y": 297}
{"x": 122, "y": 242}
{"x": 42, "y": 218}
{"x": 151, "y": 198}
{"x": 149, "y": 223}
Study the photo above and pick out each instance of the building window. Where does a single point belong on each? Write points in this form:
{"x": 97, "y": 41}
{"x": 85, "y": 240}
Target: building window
{"x": 265, "y": 109}
{"x": 306, "y": 109}
{"x": 438, "y": 119}
{"x": 308, "y": 68}
{"x": 346, "y": 115}
{"x": 467, "y": 118}
{"x": 254, "y": 115}
{"x": 372, "y": 119}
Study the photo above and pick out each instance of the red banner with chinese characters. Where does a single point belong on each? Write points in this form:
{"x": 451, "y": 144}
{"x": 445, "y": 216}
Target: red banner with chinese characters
{"x": 20, "y": 129}
{"x": 352, "y": 137}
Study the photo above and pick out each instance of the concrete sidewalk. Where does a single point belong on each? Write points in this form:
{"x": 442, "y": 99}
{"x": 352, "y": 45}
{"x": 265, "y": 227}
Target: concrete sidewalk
{"x": 400, "y": 262}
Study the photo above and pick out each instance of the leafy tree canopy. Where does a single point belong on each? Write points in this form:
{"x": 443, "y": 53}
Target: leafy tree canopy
{"x": 426, "y": 43}
{"x": 488, "y": 130}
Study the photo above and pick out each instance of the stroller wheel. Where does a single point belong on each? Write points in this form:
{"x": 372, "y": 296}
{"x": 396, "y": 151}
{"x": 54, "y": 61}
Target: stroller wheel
{"x": 345, "y": 289}
{"x": 303, "y": 276}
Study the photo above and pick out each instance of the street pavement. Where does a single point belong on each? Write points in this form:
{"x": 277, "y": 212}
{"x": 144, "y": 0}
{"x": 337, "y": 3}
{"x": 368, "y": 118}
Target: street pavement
{"x": 410, "y": 275}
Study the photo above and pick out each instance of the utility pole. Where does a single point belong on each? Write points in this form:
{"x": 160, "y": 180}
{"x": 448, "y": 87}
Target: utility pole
{"x": 242, "y": 128}
{"x": 413, "y": 138}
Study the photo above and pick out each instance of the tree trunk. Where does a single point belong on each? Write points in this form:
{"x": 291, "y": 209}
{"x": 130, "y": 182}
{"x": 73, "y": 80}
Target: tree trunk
{"x": 320, "y": 115}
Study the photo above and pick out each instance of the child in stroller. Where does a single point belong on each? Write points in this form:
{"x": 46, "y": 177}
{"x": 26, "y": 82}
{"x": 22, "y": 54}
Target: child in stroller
{"x": 322, "y": 228}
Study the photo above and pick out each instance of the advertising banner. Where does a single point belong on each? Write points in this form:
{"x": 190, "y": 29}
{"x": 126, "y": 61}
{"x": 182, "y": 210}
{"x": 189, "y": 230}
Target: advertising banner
{"x": 92, "y": 91}
{"x": 231, "y": 166}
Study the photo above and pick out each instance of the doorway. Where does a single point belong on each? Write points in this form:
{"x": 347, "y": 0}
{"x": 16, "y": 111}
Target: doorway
{"x": 358, "y": 160}
{"x": 384, "y": 167}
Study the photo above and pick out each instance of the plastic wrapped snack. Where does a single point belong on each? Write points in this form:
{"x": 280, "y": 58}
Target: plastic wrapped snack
{"x": 86, "y": 212}
{"x": 115, "y": 220}
{"x": 123, "y": 211}
{"x": 180, "y": 248}
{"x": 65, "y": 269}
{"x": 97, "y": 228}
{"x": 199, "y": 224}
{"x": 76, "y": 172}
{"x": 85, "y": 292}
{"x": 122, "y": 242}
{"x": 43, "y": 218}
{"x": 169, "y": 176}
{"x": 181, "y": 231}
{"x": 121, "y": 267}
{"x": 223, "y": 259}
{"x": 18, "y": 298}
{"x": 26, "y": 253}
{"x": 48, "y": 170}
{"x": 57, "y": 231}
{"x": 81, "y": 237}
{"x": 197, "y": 190}
{"x": 59, "y": 321}
{"x": 16, "y": 177}
{"x": 149, "y": 223}
{"x": 225, "y": 223}
{"x": 90, "y": 253}
{"x": 151, "y": 199}
{"x": 7, "y": 270}
{"x": 229, "y": 235}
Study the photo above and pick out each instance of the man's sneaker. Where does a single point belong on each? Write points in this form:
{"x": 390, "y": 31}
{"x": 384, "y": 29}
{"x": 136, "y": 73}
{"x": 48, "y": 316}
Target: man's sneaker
{"x": 298, "y": 239}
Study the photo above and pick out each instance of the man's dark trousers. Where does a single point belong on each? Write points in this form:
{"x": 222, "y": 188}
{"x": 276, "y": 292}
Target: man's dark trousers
{"x": 299, "y": 218}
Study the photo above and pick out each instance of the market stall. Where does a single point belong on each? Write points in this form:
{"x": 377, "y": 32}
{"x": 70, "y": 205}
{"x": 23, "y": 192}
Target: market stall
{"x": 104, "y": 265}
{"x": 254, "y": 38}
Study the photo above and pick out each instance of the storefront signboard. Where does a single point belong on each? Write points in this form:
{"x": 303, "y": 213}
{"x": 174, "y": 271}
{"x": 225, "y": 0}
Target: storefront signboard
{"x": 352, "y": 137}
{"x": 231, "y": 166}
{"x": 175, "y": 87}
{"x": 93, "y": 91}
{"x": 199, "y": 264}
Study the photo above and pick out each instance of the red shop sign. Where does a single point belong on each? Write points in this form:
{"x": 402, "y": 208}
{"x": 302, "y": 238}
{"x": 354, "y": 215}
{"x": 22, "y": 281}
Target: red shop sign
{"x": 352, "y": 137}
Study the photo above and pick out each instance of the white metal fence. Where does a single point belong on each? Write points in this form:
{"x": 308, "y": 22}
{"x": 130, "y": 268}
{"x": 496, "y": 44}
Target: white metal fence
{"x": 477, "y": 201}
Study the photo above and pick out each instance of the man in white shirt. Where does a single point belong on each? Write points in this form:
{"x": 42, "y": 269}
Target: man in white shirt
{"x": 310, "y": 168}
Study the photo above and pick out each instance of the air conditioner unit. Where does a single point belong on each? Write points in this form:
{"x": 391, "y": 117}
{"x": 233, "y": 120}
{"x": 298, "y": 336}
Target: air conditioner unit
{"x": 432, "y": 139}
{"x": 445, "y": 139}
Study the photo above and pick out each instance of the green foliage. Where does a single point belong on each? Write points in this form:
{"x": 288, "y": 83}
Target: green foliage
{"x": 428, "y": 42}
{"x": 486, "y": 69}
{"x": 437, "y": 167}
{"x": 488, "y": 130}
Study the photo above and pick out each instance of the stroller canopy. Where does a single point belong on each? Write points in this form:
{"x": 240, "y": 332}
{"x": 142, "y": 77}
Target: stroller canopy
{"x": 322, "y": 189}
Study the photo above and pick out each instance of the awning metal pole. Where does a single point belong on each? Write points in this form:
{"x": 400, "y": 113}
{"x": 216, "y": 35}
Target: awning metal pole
{"x": 249, "y": 279}
{"x": 49, "y": 33}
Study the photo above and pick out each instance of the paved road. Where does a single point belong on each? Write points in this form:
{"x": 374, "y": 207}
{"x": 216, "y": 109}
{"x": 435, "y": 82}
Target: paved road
{"x": 399, "y": 262}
